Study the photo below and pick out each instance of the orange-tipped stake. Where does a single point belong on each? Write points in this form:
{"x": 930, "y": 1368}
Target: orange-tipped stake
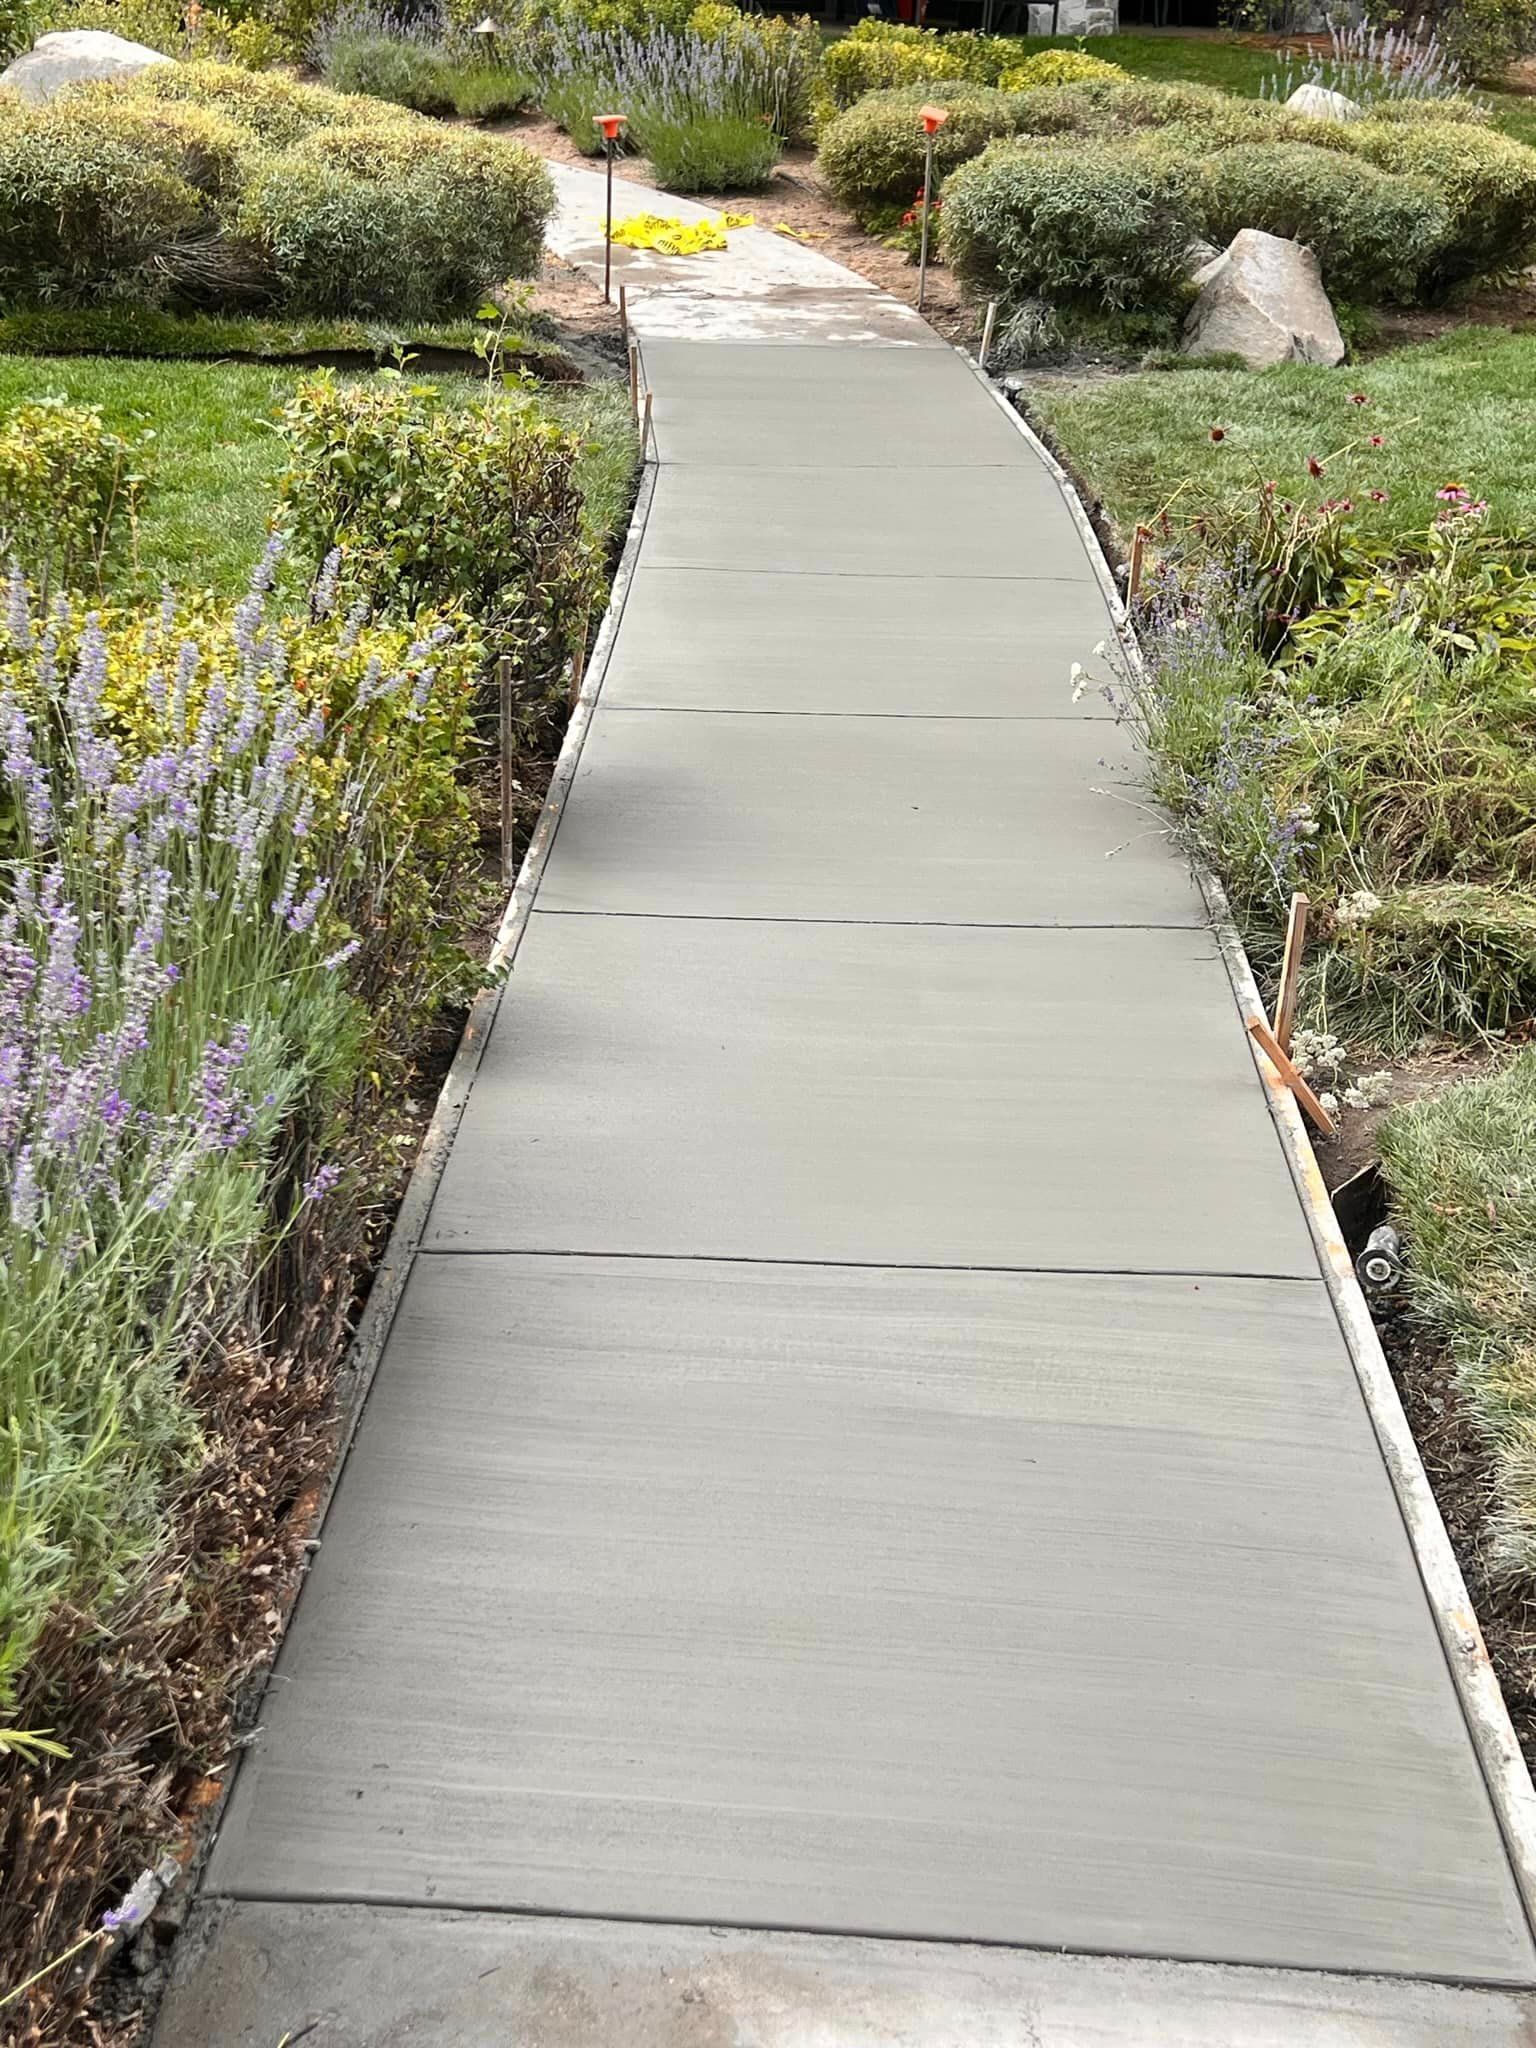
{"x": 610, "y": 124}
{"x": 933, "y": 119}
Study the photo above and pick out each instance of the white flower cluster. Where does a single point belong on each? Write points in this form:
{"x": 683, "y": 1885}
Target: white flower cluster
{"x": 1317, "y": 1054}
{"x": 1356, "y": 909}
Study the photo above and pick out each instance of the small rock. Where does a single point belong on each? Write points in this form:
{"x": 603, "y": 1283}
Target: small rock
{"x": 71, "y": 56}
{"x": 1319, "y": 104}
{"x": 1263, "y": 299}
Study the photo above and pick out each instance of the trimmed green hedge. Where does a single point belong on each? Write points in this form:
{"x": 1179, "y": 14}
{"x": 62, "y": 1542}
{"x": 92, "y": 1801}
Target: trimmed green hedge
{"x": 220, "y": 188}
{"x": 874, "y": 156}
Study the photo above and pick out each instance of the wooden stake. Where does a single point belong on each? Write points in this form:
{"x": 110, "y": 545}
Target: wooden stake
{"x": 1139, "y": 541}
{"x": 504, "y": 698}
{"x": 986, "y": 334}
{"x": 578, "y": 665}
{"x": 634, "y": 382}
{"x": 624, "y": 313}
{"x": 1281, "y": 1062}
{"x": 645, "y": 424}
{"x": 1290, "y": 970}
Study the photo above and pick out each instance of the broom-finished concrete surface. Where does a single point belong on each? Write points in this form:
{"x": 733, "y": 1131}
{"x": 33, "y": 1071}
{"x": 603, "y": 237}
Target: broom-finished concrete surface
{"x": 867, "y": 1449}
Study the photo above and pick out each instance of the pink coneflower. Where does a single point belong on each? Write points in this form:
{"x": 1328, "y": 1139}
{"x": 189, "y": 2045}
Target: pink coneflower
{"x": 1358, "y": 398}
{"x": 1218, "y": 433}
{"x": 1314, "y": 467}
{"x": 1377, "y": 497}
{"x": 1452, "y": 494}
{"x": 1377, "y": 442}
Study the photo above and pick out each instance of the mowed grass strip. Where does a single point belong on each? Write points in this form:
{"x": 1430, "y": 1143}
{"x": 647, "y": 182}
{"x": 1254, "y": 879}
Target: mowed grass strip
{"x": 215, "y": 462}
{"x": 1454, "y": 410}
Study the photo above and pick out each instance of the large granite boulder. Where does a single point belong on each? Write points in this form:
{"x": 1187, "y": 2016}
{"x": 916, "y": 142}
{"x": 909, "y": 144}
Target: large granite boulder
{"x": 1320, "y": 104}
{"x": 1262, "y": 298}
{"x": 72, "y": 55}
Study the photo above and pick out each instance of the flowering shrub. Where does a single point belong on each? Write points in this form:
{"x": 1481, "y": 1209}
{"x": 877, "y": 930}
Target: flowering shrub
{"x": 1057, "y": 67}
{"x": 876, "y": 55}
{"x": 201, "y": 819}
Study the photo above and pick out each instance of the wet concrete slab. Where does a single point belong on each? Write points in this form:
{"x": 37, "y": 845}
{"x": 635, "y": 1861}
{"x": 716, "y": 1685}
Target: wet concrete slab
{"x": 740, "y": 408}
{"x": 1005, "y": 521}
{"x": 250, "y": 1976}
{"x": 897, "y": 1094}
{"x": 963, "y": 646}
{"x": 950, "y": 1605}
{"x": 904, "y": 820}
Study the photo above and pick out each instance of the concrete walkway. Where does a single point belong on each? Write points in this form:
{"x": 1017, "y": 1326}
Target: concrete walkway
{"x": 867, "y": 1450}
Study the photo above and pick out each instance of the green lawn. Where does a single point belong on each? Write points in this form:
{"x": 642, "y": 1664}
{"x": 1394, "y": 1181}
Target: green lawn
{"x": 216, "y": 459}
{"x": 1454, "y": 409}
{"x": 214, "y": 462}
{"x": 1239, "y": 65}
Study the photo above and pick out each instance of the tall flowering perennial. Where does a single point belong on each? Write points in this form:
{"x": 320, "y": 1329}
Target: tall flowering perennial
{"x": 192, "y": 813}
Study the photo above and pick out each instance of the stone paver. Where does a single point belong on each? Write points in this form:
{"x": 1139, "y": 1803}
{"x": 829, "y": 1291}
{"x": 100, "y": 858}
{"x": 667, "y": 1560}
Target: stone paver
{"x": 867, "y": 1448}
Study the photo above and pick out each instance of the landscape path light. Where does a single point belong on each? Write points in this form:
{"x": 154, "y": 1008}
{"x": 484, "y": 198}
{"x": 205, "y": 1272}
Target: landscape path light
{"x": 610, "y": 125}
{"x": 933, "y": 119}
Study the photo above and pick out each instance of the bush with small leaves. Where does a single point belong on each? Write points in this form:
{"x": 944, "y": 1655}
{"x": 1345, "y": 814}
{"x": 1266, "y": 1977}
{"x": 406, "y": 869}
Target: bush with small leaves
{"x": 1372, "y": 233}
{"x": 874, "y": 155}
{"x": 1487, "y": 182}
{"x": 1104, "y": 227}
{"x": 86, "y": 213}
{"x": 67, "y": 484}
{"x": 279, "y": 111}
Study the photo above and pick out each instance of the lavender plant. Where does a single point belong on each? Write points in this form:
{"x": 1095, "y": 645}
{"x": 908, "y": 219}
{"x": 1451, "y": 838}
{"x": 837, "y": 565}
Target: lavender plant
{"x": 1374, "y": 66}
{"x": 186, "y": 832}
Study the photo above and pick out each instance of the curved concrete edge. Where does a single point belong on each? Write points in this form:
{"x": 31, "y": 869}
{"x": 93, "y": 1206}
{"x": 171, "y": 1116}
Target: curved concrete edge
{"x": 1493, "y": 1736}
{"x": 252, "y": 1975}
{"x": 364, "y": 1353}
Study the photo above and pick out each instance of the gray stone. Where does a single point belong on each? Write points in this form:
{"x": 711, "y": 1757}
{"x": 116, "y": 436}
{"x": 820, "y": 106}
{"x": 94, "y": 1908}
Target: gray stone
{"x": 1262, "y": 298}
{"x": 1319, "y": 104}
{"x": 72, "y": 56}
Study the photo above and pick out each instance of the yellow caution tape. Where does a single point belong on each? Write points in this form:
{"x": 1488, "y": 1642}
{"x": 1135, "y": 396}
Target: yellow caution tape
{"x": 677, "y": 237}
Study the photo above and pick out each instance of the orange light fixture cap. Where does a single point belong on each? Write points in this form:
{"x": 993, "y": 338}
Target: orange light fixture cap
{"x": 932, "y": 118}
{"x": 609, "y": 123}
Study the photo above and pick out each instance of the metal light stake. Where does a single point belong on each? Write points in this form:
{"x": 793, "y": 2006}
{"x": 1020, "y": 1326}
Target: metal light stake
{"x": 610, "y": 125}
{"x": 933, "y": 119}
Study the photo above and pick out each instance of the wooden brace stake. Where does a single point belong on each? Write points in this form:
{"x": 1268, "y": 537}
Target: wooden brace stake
{"x": 1290, "y": 970}
{"x": 1281, "y": 1062}
{"x": 634, "y": 381}
{"x": 645, "y": 424}
{"x": 624, "y": 313}
{"x": 1139, "y": 541}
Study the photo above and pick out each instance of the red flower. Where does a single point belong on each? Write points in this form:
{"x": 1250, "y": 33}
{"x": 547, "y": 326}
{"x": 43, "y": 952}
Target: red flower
{"x": 1377, "y": 441}
{"x": 1358, "y": 398}
{"x": 1218, "y": 433}
{"x": 1452, "y": 494}
{"x": 1377, "y": 497}
{"x": 1314, "y": 467}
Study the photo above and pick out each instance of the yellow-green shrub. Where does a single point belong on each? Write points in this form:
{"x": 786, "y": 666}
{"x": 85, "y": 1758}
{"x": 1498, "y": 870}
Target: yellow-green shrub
{"x": 1057, "y": 67}
{"x": 194, "y": 143}
{"x": 278, "y": 110}
{"x": 66, "y": 487}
